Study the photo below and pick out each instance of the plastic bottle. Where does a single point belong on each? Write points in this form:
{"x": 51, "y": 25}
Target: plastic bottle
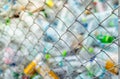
{"x": 105, "y": 38}
{"x": 45, "y": 71}
{"x": 30, "y": 69}
{"x": 92, "y": 69}
{"x": 8, "y": 55}
{"x": 109, "y": 65}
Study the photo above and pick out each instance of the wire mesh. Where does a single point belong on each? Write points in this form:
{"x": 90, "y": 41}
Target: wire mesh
{"x": 76, "y": 39}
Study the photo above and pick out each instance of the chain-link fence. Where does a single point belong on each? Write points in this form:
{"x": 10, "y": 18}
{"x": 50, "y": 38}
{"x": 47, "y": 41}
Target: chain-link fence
{"x": 59, "y": 39}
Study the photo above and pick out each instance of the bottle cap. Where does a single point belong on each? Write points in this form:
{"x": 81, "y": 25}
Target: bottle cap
{"x": 111, "y": 24}
{"x": 29, "y": 70}
{"x": 84, "y": 20}
{"x": 5, "y": 7}
{"x": 47, "y": 56}
{"x": 64, "y": 53}
{"x": 90, "y": 49}
{"x": 50, "y": 3}
{"x": 110, "y": 66}
{"x": 7, "y": 21}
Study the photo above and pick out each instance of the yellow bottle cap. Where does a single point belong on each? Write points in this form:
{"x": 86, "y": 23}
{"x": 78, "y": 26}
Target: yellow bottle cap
{"x": 50, "y": 3}
{"x": 110, "y": 66}
{"x": 30, "y": 69}
{"x": 87, "y": 12}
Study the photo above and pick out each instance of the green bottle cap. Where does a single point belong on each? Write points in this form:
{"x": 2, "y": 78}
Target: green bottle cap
{"x": 84, "y": 20}
{"x": 64, "y": 53}
{"x": 90, "y": 50}
{"x": 111, "y": 24}
{"x": 7, "y": 22}
{"x": 47, "y": 56}
{"x": 90, "y": 74}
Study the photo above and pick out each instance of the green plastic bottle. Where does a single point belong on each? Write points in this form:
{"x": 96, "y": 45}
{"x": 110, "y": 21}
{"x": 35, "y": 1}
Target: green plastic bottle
{"x": 105, "y": 38}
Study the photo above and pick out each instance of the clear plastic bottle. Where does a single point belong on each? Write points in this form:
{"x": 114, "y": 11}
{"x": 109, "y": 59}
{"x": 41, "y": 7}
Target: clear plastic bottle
{"x": 45, "y": 71}
{"x": 109, "y": 64}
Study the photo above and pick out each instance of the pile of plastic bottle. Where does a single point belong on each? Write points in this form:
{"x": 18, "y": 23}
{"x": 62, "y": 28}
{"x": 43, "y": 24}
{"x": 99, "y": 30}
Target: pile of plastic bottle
{"x": 59, "y": 39}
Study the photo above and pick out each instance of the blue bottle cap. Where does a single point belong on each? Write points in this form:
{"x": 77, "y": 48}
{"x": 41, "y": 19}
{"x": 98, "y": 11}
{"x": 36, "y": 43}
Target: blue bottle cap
{"x": 6, "y": 7}
{"x": 93, "y": 58}
{"x": 12, "y": 64}
{"x": 85, "y": 25}
{"x": 60, "y": 63}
